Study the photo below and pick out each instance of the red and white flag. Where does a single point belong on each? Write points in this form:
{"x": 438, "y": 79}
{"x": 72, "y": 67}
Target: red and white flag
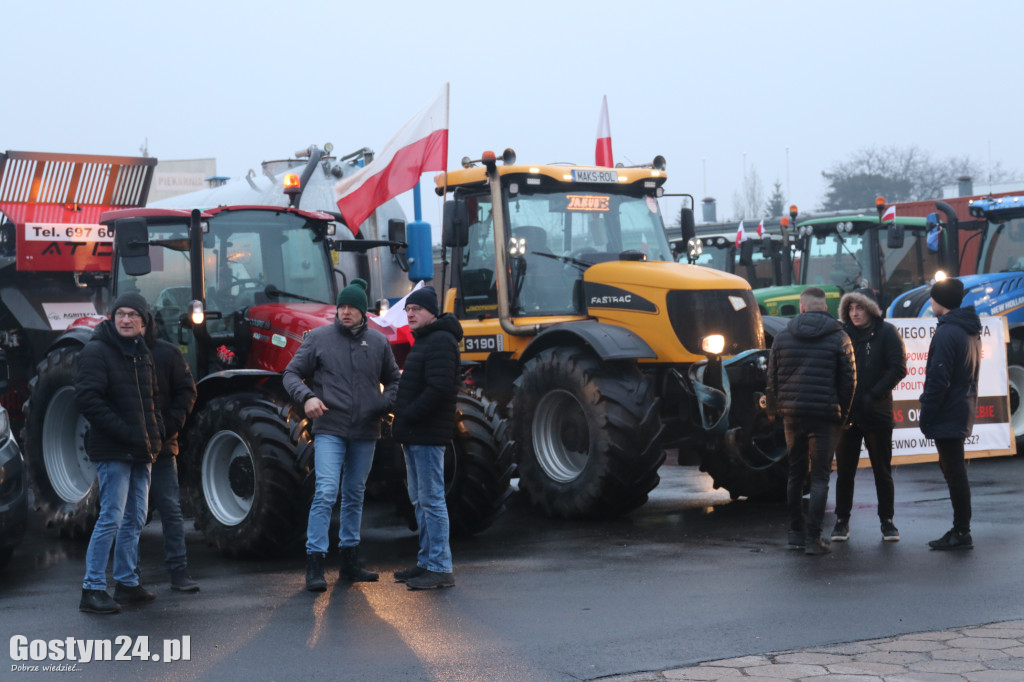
{"x": 760, "y": 228}
{"x": 741, "y": 235}
{"x": 890, "y": 214}
{"x": 420, "y": 146}
{"x": 603, "y": 152}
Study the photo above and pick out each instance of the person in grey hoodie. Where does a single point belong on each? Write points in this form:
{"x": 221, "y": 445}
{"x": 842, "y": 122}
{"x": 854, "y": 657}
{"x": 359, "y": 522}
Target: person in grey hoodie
{"x": 949, "y": 401}
{"x": 811, "y": 381}
{"x": 336, "y": 375}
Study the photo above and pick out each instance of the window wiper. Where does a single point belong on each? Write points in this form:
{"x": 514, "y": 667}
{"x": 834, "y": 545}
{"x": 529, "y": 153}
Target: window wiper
{"x": 273, "y": 292}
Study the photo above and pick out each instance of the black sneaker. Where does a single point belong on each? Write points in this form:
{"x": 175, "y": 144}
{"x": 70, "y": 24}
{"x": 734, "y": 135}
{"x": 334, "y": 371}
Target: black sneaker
{"x": 181, "y": 581}
{"x": 953, "y": 539}
{"x": 315, "y": 581}
{"x": 409, "y": 573}
{"x": 431, "y": 581}
{"x": 133, "y": 594}
{"x": 889, "y": 531}
{"x": 817, "y": 546}
{"x": 841, "y": 531}
{"x": 97, "y": 601}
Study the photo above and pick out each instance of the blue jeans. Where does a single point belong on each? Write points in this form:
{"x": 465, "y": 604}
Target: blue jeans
{"x": 334, "y": 455}
{"x": 124, "y": 492}
{"x": 812, "y": 443}
{"x": 424, "y": 465}
{"x": 165, "y": 498}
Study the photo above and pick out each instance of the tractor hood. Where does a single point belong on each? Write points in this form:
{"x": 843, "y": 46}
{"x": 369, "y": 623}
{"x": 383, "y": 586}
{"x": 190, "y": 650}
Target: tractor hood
{"x": 661, "y": 275}
{"x": 784, "y": 301}
{"x": 277, "y": 330}
{"x": 990, "y": 294}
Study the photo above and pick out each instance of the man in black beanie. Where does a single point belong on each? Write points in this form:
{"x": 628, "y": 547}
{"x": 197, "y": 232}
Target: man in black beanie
{"x": 115, "y": 390}
{"x": 336, "y": 375}
{"x": 424, "y": 422}
{"x": 950, "y": 399}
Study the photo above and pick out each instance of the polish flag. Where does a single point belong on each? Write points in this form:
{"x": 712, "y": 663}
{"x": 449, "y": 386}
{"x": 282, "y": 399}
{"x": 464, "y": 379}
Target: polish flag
{"x": 603, "y": 152}
{"x": 741, "y": 235}
{"x": 421, "y": 145}
{"x": 760, "y": 228}
{"x": 890, "y": 214}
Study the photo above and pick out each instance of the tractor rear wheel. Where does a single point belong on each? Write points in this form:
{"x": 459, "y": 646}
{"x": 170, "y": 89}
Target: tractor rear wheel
{"x": 587, "y": 434}
{"x": 1015, "y": 374}
{"x": 241, "y": 453}
{"x": 62, "y": 478}
{"x": 478, "y": 464}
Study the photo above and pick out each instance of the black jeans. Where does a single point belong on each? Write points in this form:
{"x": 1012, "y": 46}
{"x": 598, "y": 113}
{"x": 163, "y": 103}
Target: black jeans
{"x": 879, "y": 444}
{"x": 811, "y": 443}
{"x": 954, "y": 469}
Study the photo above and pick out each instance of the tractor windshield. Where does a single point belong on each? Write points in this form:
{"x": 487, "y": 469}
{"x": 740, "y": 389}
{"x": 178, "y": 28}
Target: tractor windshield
{"x": 1004, "y": 247}
{"x": 554, "y": 236}
{"x": 243, "y": 253}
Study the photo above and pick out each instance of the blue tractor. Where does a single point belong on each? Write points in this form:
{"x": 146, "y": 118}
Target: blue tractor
{"x": 996, "y": 289}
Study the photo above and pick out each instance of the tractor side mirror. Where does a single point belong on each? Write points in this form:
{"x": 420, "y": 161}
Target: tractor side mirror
{"x": 895, "y": 237}
{"x": 396, "y": 233}
{"x": 747, "y": 253}
{"x": 687, "y": 225}
{"x": 455, "y": 227}
{"x": 131, "y": 236}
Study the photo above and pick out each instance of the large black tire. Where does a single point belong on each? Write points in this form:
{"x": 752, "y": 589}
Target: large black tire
{"x": 62, "y": 479}
{"x": 1015, "y": 374}
{"x": 241, "y": 455}
{"x": 478, "y": 465}
{"x": 587, "y": 434}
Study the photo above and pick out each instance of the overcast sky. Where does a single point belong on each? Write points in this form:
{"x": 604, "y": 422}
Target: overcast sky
{"x": 713, "y": 86}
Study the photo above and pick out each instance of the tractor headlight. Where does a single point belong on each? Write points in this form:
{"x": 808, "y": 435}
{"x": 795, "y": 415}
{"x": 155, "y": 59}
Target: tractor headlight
{"x": 198, "y": 313}
{"x": 713, "y": 344}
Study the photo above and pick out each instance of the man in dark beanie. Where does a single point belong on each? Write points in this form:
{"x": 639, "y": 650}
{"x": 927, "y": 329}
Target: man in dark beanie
{"x": 950, "y": 399}
{"x": 336, "y": 375}
{"x": 424, "y": 422}
{"x": 116, "y": 390}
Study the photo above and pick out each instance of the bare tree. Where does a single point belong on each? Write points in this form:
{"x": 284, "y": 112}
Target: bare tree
{"x": 750, "y": 201}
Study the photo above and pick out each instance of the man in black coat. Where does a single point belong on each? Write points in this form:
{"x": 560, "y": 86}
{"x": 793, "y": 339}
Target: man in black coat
{"x": 177, "y": 395}
{"x": 115, "y": 390}
{"x": 949, "y": 401}
{"x": 424, "y": 423}
{"x": 881, "y": 364}
{"x": 811, "y": 382}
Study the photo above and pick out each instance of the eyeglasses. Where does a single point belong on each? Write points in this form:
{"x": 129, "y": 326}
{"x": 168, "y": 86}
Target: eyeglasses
{"x": 413, "y": 309}
{"x": 120, "y": 315}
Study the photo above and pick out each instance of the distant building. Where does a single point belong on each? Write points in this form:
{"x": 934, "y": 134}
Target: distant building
{"x": 182, "y": 176}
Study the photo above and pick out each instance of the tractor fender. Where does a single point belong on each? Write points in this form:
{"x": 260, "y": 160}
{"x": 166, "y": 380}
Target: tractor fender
{"x": 607, "y": 341}
{"x": 234, "y": 380}
{"x": 773, "y": 325}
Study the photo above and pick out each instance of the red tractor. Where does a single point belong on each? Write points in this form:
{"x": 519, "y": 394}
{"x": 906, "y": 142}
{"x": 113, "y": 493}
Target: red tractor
{"x": 236, "y": 288}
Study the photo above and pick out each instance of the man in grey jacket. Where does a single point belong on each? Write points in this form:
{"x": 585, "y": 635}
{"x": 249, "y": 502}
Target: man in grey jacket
{"x": 336, "y": 375}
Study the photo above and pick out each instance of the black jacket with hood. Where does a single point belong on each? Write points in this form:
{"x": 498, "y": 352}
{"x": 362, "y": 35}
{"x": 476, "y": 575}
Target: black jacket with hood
{"x": 881, "y": 363}
{"x": 950, "y": 398}
{"x": 115, "y": 390}
{"x": 177, "y": 389}
{"x": 425, "y": 407}
{"x": 811, "y": 371}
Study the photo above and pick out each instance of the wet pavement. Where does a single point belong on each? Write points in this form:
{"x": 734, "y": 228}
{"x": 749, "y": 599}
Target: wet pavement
{"x": 687, "y": 585}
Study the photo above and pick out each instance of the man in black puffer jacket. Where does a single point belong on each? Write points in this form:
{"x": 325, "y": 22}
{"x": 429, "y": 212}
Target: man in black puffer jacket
{"x": 115, "y": 390}
{"x": 424, "y": 423}
{"x": 881, "y": 364}
{"x": 950, "y": 400}
{"x": 811, "y": 381}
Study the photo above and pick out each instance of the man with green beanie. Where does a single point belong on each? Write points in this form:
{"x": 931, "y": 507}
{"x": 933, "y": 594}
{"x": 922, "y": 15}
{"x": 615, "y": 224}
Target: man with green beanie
{"x": 336, "y": 375}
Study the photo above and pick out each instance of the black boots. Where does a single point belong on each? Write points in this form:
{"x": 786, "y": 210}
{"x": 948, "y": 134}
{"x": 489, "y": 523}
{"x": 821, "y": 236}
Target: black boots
{"x": 350, "y": 568}
{"x": 97, "y": 601}
{"x": 315, "y": 572}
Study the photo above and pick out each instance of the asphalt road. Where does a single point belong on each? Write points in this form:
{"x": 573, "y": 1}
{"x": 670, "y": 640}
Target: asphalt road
{"x": 689, "y": 577}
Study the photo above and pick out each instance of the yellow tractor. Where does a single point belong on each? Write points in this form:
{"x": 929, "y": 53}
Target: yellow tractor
{"x": 602, "y": 350}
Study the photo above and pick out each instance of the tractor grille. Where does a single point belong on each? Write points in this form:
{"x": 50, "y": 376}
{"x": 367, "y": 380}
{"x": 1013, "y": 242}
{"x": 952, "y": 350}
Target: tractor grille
{"x": 696, "y": 314}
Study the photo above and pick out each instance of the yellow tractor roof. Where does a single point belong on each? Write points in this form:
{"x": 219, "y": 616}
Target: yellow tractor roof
{"x": 595, "y": 176}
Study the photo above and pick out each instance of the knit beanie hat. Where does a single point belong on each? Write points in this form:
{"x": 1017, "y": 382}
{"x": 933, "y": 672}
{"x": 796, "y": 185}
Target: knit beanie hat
{"x": 425, "y": 298}
{"x": 949, "y": 293}
{"x": 354, "y": 295}
{"x": 134, "y": 301}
